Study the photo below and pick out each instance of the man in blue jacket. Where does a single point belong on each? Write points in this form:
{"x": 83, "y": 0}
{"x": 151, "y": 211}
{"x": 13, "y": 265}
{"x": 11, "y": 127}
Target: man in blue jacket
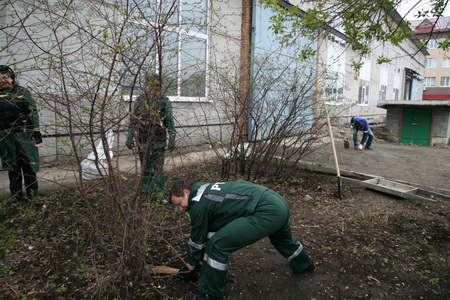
{"x": 227, "y": 216}
{"x": 361, "y": 124}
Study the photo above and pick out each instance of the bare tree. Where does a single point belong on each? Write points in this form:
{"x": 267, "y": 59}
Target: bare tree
{"x": 81, "y": 59}
{"x": 285, "y": 118}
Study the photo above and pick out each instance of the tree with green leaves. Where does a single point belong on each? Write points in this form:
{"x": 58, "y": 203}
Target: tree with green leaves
{"x": 361, "y": 22}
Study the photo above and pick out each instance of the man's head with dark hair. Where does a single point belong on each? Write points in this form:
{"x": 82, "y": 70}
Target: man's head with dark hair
{"x": 152, "y": 82}
{"x": 179, "y": 194}
{"x": 177, "y": 187}
{"x": 6, "y": 72}
{"x": 152, "y": 79}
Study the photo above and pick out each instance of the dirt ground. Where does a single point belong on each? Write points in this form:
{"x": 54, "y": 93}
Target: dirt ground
{"x": 367, "y": 245}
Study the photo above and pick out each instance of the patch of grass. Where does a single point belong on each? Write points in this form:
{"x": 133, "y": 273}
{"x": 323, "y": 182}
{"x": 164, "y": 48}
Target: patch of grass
{"x": 8, "y": 237}
{"x": 434, "y": 280}
{"x": 82, "y": 268}
{"x": 420, "y": 273}
{"x": 61, "y": 290}
{"x": 368, "y": 249}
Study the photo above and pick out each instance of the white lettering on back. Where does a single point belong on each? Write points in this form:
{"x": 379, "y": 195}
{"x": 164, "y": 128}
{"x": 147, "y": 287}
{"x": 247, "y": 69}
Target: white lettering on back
{"x": 216, "y": 186}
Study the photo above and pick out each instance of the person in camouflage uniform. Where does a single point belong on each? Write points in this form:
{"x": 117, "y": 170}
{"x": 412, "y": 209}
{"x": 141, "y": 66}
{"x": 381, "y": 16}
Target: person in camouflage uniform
{"x": 19, "y": 135}
{"x": 227, "y": 216}
{"x": 150, "y": 122}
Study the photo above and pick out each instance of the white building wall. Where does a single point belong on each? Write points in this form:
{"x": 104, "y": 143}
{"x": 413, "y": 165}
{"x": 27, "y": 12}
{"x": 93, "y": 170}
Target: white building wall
{"x": 391, "y": 74}
{"x": 197, "y": 122}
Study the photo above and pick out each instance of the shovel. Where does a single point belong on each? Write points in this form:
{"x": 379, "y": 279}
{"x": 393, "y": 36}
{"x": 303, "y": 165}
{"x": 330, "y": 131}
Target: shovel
{"x": 346, "y": 139}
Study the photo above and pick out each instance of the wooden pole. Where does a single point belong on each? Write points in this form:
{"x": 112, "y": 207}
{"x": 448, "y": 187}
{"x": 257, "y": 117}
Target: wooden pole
{"x": 336, "y": 162}
{"x": 338, "y": 172}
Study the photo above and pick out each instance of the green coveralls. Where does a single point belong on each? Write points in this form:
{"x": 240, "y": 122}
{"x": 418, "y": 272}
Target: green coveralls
{"x": 227, "y": 216}
{"x": 18, "y": 120}
{"x": 152, "y": 146}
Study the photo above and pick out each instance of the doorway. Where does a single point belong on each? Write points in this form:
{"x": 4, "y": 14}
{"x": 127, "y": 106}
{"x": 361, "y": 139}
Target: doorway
{"x": 416, "y": 125}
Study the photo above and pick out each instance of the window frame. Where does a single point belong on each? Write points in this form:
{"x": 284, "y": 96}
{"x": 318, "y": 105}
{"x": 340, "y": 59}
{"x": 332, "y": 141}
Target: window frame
{"x": 195, "y": 34}
{"x": 335, "y": 89}
{"x": 431, "y": 63}
{"x": 180, "y": 32}
{"x": 446, "y": 62}
{"x": 429, "y": 81}
{"x": 432, "y": 44}
{"x": 364, "y": 92}
{"x": 395, "y": 93}
{"x": 446, "y": 81}
{"x": 382, "y": 92}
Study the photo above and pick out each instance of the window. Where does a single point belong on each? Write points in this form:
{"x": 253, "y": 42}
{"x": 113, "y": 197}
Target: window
{"x": 336, "y": 58}
{"x": 396, "y": 93}
{"x": 429, "y": 81}
{"x": 385, "y": 53}
{"x": 363, "y": 91}
{"x": 382, "y": 94}
{"x": 446, "y": 62}
{"x": 171, "y": 36}
{"x": 431, "y": 63}
{"x": 432, "y": 44}
{"x": 384, "y": 79}
{"x": 445, "y": 81}
{"x": 335, "y": 89}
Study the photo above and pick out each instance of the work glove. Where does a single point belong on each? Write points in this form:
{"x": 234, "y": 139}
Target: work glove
{"x": 188, "y": 275}
{"x": 129, "y": 143}
{"x": 37, "y": 136}
{"x": 172, "y": 146}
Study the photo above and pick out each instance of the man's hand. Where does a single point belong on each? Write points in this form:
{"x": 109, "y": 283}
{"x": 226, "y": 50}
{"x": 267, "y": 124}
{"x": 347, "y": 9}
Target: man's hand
{"x": 129, "y": 143}
{"x": 190, "y": 273}
{"x": 37, "y": 136}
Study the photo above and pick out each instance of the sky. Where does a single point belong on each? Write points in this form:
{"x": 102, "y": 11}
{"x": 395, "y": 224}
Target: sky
{"x": 423, "y": 4}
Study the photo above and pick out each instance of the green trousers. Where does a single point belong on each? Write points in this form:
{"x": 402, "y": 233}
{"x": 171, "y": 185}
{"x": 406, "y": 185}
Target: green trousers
{"x": 271, "y": 218}
{"x": 153, "y": 172}
{"x": 11, "y": 143}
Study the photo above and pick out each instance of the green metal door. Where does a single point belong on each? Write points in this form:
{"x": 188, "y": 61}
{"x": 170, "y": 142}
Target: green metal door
{"x": 416, "y": 125}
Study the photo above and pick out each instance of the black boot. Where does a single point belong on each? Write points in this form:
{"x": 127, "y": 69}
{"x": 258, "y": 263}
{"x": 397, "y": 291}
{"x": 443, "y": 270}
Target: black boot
{"x": 17, "y": 197}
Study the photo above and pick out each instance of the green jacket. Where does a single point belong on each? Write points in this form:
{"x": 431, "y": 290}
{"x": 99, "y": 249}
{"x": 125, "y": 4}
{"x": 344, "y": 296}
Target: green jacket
{"x": 141, "y": 131}
{"x": 212, "y": 206}
{"x": 18, "y": 111}
{"x": 18, "y": 120}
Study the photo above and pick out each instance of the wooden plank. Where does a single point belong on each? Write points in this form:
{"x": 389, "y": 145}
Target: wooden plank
{"x": 164, "y": 270}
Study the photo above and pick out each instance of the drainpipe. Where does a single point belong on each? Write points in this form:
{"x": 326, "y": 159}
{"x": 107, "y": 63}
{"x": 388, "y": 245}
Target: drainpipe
{"x": 244, "y": 80}
{"x": 316, "y": 100}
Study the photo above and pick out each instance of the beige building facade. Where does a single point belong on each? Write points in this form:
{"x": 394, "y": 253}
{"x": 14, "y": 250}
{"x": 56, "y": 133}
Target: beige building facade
{"x": 436, "y": 80}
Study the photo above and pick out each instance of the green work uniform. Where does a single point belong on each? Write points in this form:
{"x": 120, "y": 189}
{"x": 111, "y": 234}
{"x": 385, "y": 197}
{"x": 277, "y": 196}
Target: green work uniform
{"x": 19, "y": 120}
{"x": 227, "y": 216}
{"x": 152, "y": 140}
